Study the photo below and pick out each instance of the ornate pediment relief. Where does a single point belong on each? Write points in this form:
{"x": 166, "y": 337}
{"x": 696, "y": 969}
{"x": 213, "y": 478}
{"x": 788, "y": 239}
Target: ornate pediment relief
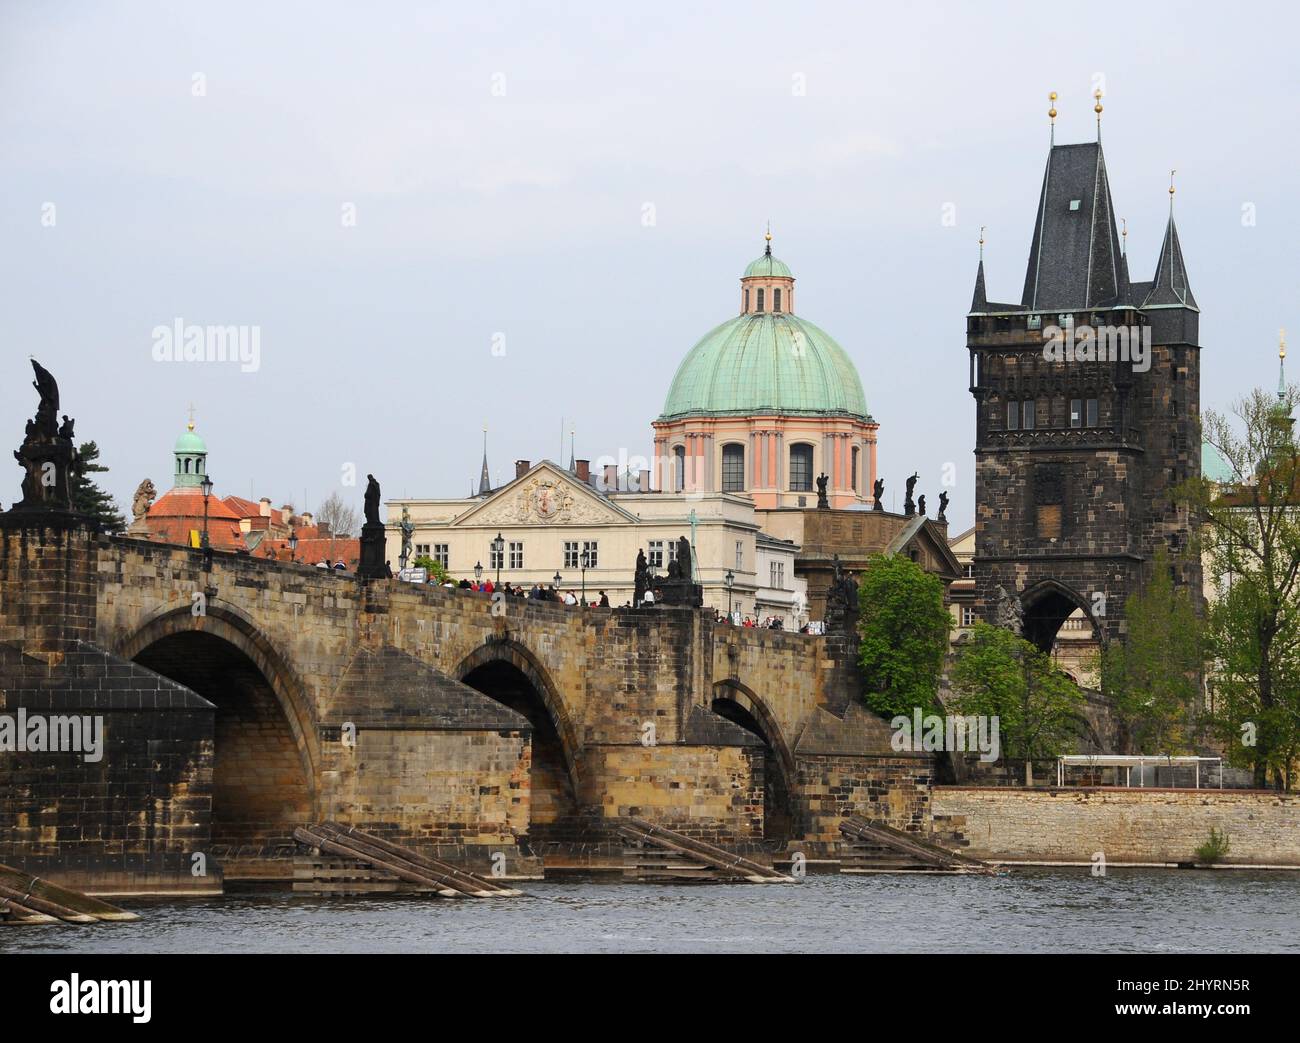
{"x": 543, "y": 498}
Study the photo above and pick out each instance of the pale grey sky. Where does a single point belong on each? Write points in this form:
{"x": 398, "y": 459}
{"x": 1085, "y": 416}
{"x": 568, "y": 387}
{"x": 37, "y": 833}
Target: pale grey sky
{"x": 500, "y": 158}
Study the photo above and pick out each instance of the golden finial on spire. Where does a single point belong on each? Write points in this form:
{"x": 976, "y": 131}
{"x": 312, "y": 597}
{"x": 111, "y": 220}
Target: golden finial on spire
{"x": 1171, "y": 181}
{"x": 1281, "y": 343}
{"x": 1051, "y": 112}
{"x": 1097, "y": 96}
{"x": 190, "y": 425}
{"x": 768, "y": 235}
{"x": 982, "y": 227}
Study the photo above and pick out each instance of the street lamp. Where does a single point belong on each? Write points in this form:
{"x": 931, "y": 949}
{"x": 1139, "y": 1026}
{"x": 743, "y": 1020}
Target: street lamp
{"x": 585, "y": 562}
{"x": 499, "y": 549}
{"x": 293, "y": 544}
{"x": 478, "y": 571}
{"x": 206, "y": 486}
{"x": 557, "y": 579}
{"x": 730, "y": 580}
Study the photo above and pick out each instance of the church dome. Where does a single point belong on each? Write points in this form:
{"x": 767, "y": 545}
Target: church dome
{"x": 767, "y": 361}
{"x": 190, "y": 443}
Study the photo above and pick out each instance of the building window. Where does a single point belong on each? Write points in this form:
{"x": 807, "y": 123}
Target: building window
{"x": 442, "y": 554}
{"x": 1076, "y": 412}
{"x": 679, "y": 468}
{"x": 747, "y": 299}
{"x": 778, "y": 575}
{"x": 740, "y": 556}
{"x": 654, "y": 559}
{"x": 496, "y": 558}
{"x": 1013, "y": 416}
{"x": 589, "y": 553}
{"x": 516, "y": 555}
{"x": 571, "y": 554}
{"x": 421, "y": 549}
{"x": 970, "y": 570}
{"x": 1049, "y": 501}
{"x": 1030, "y": 409}
{"x": 733, "y": 468}
{"x": 672, "y": 550}
{"x": 760, "y": 300}
{"x": 801, "y": 468}
{"x": 853, "y": 468}
{"x": 1092, "y": 413}
{"x": 967, "y": 616}
{"x": 776, "y": 299}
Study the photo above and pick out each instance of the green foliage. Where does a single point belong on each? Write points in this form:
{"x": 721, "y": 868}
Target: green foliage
{"x": 1215, "y": 848}
{"x": 903, "y": 631}
{"x": 1251, "y": 531}
{"x": 437, "y": 573}
{"x": 998, "y": 674}
{"x": 89, "y": 498}
{"x": 1153, "y": 677}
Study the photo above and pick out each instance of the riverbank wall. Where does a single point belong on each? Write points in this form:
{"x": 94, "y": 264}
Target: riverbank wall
{"x": 1143, "y": 826}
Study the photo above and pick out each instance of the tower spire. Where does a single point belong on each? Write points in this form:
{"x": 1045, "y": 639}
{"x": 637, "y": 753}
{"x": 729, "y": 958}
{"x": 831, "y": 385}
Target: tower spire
{"x": 484, "y": 481}
{"x": 1051, "y": 114}
{"x": 768, "y": 252}
{"x": 980, "y": 302}
{"x": 1097, "y": 109}
{"x": 1281, "y": 365}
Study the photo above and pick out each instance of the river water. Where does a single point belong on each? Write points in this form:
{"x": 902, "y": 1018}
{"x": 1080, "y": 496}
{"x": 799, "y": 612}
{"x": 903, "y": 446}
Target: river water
{"x": 1033, "y": 910}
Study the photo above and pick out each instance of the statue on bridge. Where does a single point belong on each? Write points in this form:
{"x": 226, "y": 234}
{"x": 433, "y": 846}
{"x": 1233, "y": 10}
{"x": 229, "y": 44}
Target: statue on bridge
{"x": 943, "y": 507}
{"x": 641, "y": 580}
{"x": 877, "y": 491}
{"x": 822, "y": 502}
{"x": 920, "y": 505}
{"x": 841, "y": 598}
{"x": 373, "y": 565}
{"x": 47, "y": 454}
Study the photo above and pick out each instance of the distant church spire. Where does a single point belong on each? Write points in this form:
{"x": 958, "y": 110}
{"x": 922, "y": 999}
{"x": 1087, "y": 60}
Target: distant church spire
{"x": 980, "y": 300}
{"x": 484, "y": 482}
{"x": 573, "y": 451}
{"x": 1170, "y": 286}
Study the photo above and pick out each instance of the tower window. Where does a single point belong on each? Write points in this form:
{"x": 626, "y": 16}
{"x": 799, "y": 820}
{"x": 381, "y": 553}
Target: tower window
{"x": 1049, "y": 500}
{"x": 1093, "y": 413}
{"x": 747, "y": 300}
{"x": 679, "y": 468}
{"x": 1076, "y": 412}
{"x": 760, "y": 300}
{"x": 1013, "y": 416}
{"x": 801, "y": 468}
{"x": 1030, "y": 409}
{"x": 733, "y": 468}
{"x": 776, "y": 298}
{"x": 853, "y": 469}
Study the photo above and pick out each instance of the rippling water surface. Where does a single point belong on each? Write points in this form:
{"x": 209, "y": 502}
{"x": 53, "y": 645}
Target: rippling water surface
{"x": 1028, "y": 911}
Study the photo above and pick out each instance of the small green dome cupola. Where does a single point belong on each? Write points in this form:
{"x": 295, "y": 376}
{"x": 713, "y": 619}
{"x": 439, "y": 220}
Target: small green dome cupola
{"x": 191, "y": 454}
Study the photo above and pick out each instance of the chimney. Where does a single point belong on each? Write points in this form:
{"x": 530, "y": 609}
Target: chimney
{"x": 307, "y": 519}
{"x": 643, "y": 481}
{"x": 521, "y": 468}
{"x": 584, "y": 470}
{"x": 264, "y": 505}
{"x": 611, "y": 478}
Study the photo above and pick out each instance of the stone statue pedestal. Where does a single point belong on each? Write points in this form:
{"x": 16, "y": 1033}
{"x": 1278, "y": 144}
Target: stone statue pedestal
{"x": 677, "y": 592}
{"x": 47, "y": 485}
{"x": 373, "y": 545}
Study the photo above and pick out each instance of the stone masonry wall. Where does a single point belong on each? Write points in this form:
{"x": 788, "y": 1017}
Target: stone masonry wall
{"x": 1070, "y": 825}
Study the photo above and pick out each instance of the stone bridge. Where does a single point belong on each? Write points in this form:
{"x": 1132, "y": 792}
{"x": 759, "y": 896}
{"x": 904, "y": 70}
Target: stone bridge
{"x": 242, "y": 697}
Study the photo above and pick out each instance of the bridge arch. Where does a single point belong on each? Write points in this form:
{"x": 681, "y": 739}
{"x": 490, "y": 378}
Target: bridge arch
{"x": 741, "y": 705}
{"x": 1047, "y": 605}
{"x": 507, "y": 671}
{"x": 263, "y": 715}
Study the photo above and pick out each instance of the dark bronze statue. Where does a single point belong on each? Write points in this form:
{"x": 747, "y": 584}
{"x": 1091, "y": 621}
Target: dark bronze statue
{"x": 47, "y": 455}
{"x": 822, "y": 502}
{"x": 684, "y": 559}
{"x": 920, "y": 505}
{"x": 841, "y": 597}
{"x": 372, "y": 501}
{"x": 641, "y": 579}
{"x": 878, "y": 490}
{"x": 47, "y": 413}
{"x": 909, "y": 505}
{"x": 943, "y": 506}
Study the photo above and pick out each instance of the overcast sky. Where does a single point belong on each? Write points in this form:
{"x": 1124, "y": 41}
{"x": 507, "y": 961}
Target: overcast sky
{"x": 585, "y": 183}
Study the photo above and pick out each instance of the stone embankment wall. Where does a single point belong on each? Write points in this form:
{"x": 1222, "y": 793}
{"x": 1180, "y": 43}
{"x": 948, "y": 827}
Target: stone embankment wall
{"x": 1127, "y": 825}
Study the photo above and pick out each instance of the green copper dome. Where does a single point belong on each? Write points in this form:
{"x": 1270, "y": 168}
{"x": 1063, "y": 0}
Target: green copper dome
{"x": 768, "y": 265}
{"x": 1214, "y": 466}
{"x": 190, "y": 443}
{"x": 766, "y": 363}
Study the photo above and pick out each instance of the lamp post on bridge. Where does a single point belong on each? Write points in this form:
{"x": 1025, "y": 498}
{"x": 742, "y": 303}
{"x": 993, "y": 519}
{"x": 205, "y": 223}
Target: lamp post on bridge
{"x": 499, "y": 549}
{"x": 729, "y": 579}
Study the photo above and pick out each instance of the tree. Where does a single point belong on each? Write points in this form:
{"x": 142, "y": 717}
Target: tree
{"x": 903, "y": 635}
{"x": 437, "y": 573}
{"x": 1252, "y": 540}
{"x": 999, "y": 674}
{"x": 89, "y": 498}
{"x": 341, "y": 519}
{"x": 1153, "y": 677}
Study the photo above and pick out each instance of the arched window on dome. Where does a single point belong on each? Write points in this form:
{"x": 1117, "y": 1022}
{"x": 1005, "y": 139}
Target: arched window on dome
{"x": 187, "y": 465}
{"x": 853, "y": 469}
{"x": 746, "y": 300}
{"x": 733, "y": 468}
{"x": 760, "y": 299}
{"x": 776, "y": 298}
{"x": 679, "y": 468}
{"x": 801, "y": 468}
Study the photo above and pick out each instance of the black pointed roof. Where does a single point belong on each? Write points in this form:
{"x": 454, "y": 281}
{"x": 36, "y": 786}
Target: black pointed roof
{"x": 1170, "y": 287}
{"x": 980, "y": 301}
{"x": 1075, "y": 261}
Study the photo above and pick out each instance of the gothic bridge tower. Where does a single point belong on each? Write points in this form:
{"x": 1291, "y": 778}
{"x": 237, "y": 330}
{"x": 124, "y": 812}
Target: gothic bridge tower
{"x": 1076, "y": 456}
